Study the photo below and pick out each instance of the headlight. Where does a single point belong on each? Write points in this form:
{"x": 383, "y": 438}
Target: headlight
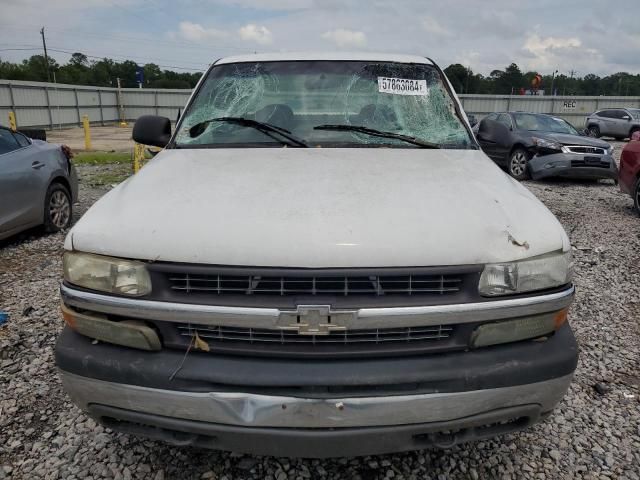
{"x": 106, "y": 274}
{"x": 545, "y": 144}
{"x": 537, "y": 273}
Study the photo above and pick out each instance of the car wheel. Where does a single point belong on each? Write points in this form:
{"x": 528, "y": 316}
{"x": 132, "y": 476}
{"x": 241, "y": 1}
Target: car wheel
{"x": 636, "y": 197}
{"x": 594, "y": 131}
{"x": 57, "y": 208}
{"x": 518, "y": 164}
{"x": 633, "y": 130}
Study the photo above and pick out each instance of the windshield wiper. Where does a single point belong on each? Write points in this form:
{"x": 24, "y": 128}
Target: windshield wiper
{"x": 378, "y": 133}
{"x": 266, "y": 128}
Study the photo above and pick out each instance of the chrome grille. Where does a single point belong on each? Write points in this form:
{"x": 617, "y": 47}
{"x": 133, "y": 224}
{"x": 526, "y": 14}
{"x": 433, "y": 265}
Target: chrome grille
{"x": 315, "y": 285}
{"x": 586, "y": 150}
{"x": 346, "y": 337}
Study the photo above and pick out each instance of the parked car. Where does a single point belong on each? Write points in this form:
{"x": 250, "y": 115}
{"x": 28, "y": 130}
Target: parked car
{"x": 540, "y": 146}
{"x": 38, "y": 184}
{"x": 619, "y": 123}
{"x": 629, "y": 178}
{"x": 320, "y": 262}
{"x": 473, "y": 121}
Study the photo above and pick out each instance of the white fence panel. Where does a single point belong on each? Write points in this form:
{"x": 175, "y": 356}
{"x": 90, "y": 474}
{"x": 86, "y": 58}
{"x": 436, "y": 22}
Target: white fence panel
{"x": 51, "y": 105}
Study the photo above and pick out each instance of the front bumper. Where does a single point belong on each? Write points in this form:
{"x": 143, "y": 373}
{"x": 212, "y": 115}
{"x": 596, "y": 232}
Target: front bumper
{"x": 196, "y": 419}
{"x": 318, "y": 408}
{"x": 572, "y": 165}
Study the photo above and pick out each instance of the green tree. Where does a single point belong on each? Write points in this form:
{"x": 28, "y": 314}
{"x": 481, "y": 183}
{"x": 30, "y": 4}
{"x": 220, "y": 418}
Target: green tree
{"x": 459, "y": 76}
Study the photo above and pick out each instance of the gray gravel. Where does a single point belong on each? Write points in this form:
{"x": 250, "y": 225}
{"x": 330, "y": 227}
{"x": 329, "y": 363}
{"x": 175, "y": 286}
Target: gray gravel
{"x": 591, "y": 435}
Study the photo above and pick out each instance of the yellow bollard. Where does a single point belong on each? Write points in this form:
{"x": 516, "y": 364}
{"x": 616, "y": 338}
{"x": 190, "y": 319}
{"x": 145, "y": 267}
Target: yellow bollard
{"x": 12, "y": 121}
{"x": 87, "y": 132}
{"x": 138, "y": 157}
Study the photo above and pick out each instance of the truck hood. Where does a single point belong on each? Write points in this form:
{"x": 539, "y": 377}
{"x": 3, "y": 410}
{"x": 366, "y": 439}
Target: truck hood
{"x": 292, "y": 207}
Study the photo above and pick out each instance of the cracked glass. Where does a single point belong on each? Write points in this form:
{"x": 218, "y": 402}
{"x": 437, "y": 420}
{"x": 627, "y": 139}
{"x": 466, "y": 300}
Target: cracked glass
{"x": 300, "y": 96}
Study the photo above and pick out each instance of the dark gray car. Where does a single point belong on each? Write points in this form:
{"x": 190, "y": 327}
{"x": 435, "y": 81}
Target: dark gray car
{"x": 619, "y": 123}
{"x": 539, "y": 146}
{"x": 38, "y": 184}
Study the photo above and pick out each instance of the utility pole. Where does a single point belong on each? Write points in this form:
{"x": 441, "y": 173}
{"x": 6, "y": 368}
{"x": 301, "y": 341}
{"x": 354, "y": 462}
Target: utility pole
{"x": 46, "y": 57}
{"x": 466, "y": 88}
{"x": 571, "y": 74}
{"x": 553, "y": 81}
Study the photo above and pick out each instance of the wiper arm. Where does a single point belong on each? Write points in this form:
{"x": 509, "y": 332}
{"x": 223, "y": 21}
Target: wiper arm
{"x": 263, "y": 127}
{"x": 378, "y": 133}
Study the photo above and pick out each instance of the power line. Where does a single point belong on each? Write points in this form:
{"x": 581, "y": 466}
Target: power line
{"x": 128, "y": 57}
{"x": 91, "y": 56}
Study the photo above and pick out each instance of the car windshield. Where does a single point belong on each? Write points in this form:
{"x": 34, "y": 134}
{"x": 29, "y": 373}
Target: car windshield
{"x": 635, "y": 113}
{"x": 543, "y": 123}
{"x": 323, "y": 104}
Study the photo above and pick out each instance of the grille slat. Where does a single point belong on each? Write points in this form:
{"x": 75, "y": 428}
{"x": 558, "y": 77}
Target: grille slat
{"x": 346, "y": 337}
{"x": 315, "y": 285}
{"x": 584, "y": 149}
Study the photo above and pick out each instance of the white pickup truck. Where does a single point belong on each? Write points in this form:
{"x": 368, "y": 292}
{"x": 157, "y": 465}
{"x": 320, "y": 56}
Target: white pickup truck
{"x": 321, "y": 262}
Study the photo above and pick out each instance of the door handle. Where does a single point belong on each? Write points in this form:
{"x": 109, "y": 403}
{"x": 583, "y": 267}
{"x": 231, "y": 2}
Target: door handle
{"x": 37, "y": 165}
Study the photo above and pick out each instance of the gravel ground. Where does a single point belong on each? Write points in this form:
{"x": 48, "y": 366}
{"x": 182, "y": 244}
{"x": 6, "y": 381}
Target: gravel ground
{"x": 593, "y": 434}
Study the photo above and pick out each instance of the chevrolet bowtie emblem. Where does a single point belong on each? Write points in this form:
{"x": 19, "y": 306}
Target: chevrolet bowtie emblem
{"x": 315, "y": 320}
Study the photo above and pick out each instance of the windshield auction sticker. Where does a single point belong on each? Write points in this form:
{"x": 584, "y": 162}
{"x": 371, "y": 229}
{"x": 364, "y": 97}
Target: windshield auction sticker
{"x": 402, "y": 86}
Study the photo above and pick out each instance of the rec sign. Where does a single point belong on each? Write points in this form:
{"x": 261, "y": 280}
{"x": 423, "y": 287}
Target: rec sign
{"x": 569, "y": 104}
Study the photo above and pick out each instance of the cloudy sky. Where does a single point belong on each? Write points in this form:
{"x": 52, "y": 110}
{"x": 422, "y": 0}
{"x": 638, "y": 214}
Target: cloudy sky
{"x": 587, "y": 36}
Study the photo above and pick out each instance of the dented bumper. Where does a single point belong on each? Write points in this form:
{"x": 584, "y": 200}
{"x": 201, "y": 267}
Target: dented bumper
{"x": 292, "y": 407}
{"x": 573, "y": 165}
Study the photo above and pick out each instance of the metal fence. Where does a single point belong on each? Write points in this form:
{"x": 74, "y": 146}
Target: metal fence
{"x": 51, "y": 105}
{"x": 572, "y": 109}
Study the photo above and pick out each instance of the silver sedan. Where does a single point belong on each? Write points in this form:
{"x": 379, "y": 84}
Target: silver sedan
{"x": 38, "y": 184}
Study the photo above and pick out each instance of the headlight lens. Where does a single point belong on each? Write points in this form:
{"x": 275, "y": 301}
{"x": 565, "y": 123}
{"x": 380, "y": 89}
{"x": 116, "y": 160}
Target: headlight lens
{"x": 545, "y": 144}
{"x": 106, "y": 274}
{"x": 537, "y": 273}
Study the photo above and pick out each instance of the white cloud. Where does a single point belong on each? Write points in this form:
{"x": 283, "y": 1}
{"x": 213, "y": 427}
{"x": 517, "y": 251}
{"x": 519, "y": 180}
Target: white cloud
{"x": 542, "y": 45}
{"x": 256, "y": 33}
{"x": 432, "y": 26}
{"x": 270, "y": 4}
{"x": 346, "y": 38}
{"x": 195, "y": 32}
{"x": 552, "y": 52}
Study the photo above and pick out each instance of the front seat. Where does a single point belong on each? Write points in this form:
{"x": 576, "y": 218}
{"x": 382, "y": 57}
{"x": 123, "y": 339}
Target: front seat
{"x": 376, "y": 116}
{"x": 278, "y": 114}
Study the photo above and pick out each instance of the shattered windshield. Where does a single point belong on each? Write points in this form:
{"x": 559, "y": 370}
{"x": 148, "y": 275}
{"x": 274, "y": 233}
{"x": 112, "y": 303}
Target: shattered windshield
{"x": 543, "y": 123}
{"x": 319, "y": 104}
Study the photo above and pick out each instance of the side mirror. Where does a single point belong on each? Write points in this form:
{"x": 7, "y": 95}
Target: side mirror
{"x": 494, "y": 132}
{"x": 626, "y": 117}
{"x": 152, "y": 130}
